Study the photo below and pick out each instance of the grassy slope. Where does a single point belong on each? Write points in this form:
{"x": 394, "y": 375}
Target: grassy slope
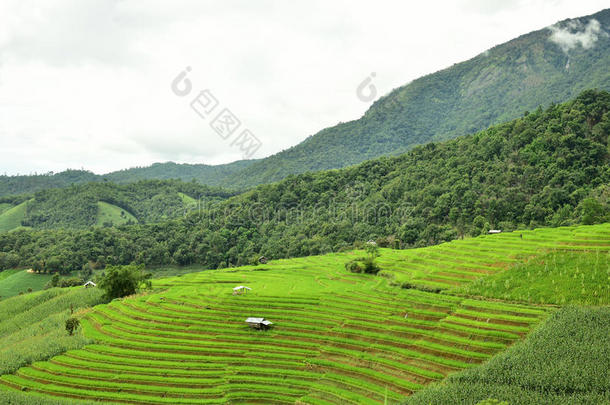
{"x": 328, "y": 322}
{"x": 11, "y": 219}
{"x": 12, "y": 282}
{"x": 4, "y": 207}
{"x": 451, "y": 265}
{"x": 112, "y": 214}
{"x": 10, "y": 397}
{"x": 565, "y": 361}
{"x": 187, "y": 200}
{"x": 32, "y": 325}
{"x": 558, "y": 277}
{"x": 339, "y": 337}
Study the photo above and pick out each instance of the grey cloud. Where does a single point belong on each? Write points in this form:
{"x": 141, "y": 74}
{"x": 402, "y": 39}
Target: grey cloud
{"x": 69, "y": 32}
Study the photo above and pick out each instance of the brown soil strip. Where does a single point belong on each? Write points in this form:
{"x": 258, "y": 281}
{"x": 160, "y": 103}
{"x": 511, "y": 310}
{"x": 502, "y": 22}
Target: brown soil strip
{"x": 492, "y": 320}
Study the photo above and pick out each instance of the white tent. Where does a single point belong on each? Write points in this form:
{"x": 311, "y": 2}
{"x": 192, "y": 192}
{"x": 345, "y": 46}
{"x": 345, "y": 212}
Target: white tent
{"x": 240, "y": 289}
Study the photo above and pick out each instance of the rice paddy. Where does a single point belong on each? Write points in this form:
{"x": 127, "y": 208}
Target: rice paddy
{"x": 338, "y": 337}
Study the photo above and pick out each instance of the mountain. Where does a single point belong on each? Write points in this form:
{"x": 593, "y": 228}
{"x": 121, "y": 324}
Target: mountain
{"x": 205, "y": 174}
{"x": 212, "y": 175}
{"x": 548, "y": 168}
{"x": 547, "y": 66}
{"x": 105, "y": 204}
{"x": 495, "y": 86}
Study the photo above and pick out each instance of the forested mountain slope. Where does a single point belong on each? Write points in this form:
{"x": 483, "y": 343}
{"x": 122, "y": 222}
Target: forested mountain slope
{"x": 548, "y": 168}
{"x": 495, "y": 86}
{"x": 106, "y": 204}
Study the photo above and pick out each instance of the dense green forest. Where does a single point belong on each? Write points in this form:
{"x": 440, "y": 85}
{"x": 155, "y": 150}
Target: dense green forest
{"x": 85, "y": 205}
{"x": 205, "y": 174}
{"x": 548, "y": 168}
{"x": 493, "y": 87}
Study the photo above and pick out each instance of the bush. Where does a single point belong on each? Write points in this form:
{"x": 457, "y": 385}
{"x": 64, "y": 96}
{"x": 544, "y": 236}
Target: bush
{"x": 354, "y": 266}
{"x": 53, "y": 282}
{"x": 363, "y": 265}
{"x": 370, "y": 266}
{"x": 70, "y": 282}
{"x": 72, "y": 325}
{"x": 120, "y": 281}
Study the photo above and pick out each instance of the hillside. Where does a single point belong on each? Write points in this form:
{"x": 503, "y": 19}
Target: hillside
{"x": 496, "y": 86}
{"x": 549, "y": 168}
{"x": 31, "y": 325}
{"x": 12, "y": 216}
{"x": 106, "y": 204}
{"x": 212, "y": 175}
{"x": 338, "y": 337}
{"x": 205, "y": 174}
{"x": 574, "y": 341}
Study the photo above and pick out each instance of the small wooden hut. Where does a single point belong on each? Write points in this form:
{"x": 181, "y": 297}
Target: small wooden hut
{"x": 259, "y": 323}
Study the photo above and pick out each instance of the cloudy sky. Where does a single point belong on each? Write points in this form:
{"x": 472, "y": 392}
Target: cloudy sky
{"x": 87, "y": 83}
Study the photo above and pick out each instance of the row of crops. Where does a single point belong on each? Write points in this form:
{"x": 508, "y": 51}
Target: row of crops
{"x": 459, "y": 262}
{"x": 351, "y": 346}
{"x": 338, "y": 337}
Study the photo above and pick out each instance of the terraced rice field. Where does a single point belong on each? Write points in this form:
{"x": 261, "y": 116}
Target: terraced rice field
{"x": 338, "y": 337}
{"x": 459, "y": 262}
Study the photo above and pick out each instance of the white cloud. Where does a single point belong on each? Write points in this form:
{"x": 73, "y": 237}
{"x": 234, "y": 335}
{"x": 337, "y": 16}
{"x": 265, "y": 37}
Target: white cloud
{"x": 86, "y": 83}
{"x": 575, "y": 33}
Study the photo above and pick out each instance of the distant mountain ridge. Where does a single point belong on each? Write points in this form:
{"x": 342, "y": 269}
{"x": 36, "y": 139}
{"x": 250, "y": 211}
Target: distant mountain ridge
{"x": 540, "y": 68}
{"x": 205, "y": 174}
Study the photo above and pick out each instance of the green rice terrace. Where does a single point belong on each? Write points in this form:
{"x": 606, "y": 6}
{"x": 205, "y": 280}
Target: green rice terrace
{"x": 337, "y": 337}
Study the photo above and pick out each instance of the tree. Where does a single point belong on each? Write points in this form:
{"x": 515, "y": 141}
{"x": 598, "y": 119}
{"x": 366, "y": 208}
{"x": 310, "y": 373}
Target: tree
{"x": 592, "y": 211}
{"x": 120, "y": 281}
{"x": 372, "y": 250}
{"x": 72, "y": 325}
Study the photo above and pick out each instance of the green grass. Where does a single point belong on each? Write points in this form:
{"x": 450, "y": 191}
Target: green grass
{"x": 339, "y": 337}
{"x": 558, "y": 277}
{"x": 565, "y": 361}
{"x": 458, "y": 263}
{"x": 8, "y": 273}
{"x": 5, "y": 207}
{"x": 10, "y": 219}
{"x": 108, "y": 213}
{"x": 187, "y": 200}
{"x": 11, "y": 397}
{"x": 13, "y": 282}
{"x": 32, "y": 325}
